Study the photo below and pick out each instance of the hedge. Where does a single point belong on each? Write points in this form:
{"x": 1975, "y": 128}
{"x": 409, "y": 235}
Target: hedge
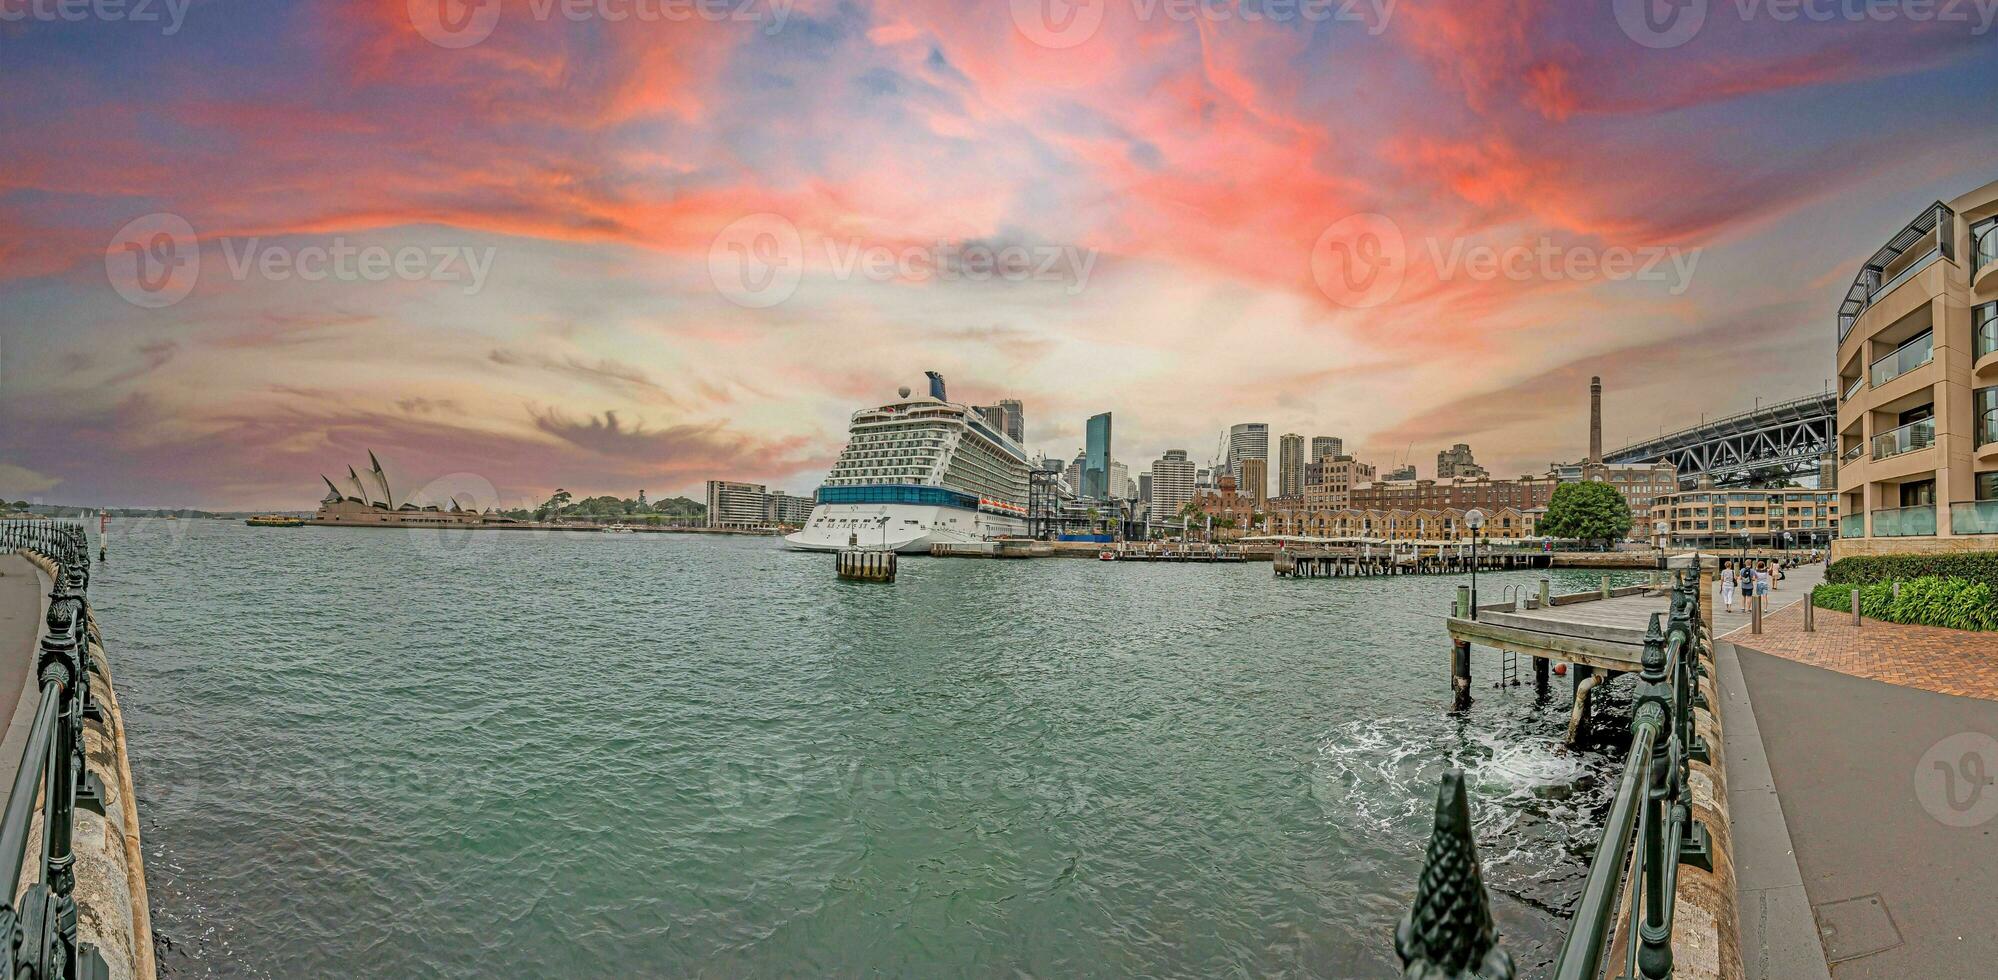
{"x": 1955, "y": 603}
{"x": 1976, "y": 566}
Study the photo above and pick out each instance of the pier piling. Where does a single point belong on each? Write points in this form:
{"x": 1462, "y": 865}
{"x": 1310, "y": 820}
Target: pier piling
{"x": 1460, "y": 675}
{"x": 866, "y": 566}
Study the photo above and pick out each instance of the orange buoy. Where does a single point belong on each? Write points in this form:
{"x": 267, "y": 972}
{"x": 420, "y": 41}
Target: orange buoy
{"x": 1560, "y": 670}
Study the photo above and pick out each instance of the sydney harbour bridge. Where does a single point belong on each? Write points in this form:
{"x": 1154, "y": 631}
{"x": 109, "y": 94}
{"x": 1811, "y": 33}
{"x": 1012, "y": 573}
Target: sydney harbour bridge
{"x": 1777, "y": 442}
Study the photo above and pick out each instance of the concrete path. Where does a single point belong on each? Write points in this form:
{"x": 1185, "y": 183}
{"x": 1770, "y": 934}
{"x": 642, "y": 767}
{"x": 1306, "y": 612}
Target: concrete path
{"x": 1895, "y": 857}
{"x": 1779, "y": 939}
{"x": 23, "y": 592}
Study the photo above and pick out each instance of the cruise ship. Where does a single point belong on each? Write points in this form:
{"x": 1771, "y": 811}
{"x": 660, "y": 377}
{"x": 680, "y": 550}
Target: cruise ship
{"x": 916, "y": 472}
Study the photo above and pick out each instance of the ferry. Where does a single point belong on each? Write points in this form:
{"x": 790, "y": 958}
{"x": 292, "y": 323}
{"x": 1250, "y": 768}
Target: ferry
{"x": 274, "y": 520}
{"x": 919, "y": 471}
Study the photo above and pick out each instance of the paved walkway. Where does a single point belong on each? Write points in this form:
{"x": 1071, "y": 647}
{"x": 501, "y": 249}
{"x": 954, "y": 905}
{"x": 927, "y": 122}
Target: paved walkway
{"x": 1924, "y": 657}
{"x": 22, "y": 591}
{"x": 1889, "y": 859}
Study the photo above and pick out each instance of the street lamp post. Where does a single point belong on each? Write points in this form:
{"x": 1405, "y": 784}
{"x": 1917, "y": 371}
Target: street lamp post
{"x": 1476, "y": 519}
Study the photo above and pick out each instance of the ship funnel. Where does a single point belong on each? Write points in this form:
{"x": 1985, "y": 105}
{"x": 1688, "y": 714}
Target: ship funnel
{"x": 936, "y": 385}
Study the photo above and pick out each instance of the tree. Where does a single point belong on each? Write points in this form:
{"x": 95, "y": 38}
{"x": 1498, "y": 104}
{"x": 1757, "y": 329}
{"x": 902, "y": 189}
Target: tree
{"x": 554, "y": 505}
{"x": 1588, "y": 512}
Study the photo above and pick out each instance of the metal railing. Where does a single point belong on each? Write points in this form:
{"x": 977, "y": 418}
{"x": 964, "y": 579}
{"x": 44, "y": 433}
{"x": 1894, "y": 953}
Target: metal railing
{"x": 1974, "y": 517}
{"x": 1905, "y": 522}
{"x": 1986, "y": 249}
{"x": 1919, "y": 434}
{"x": 43, "y": 924}
{"x": 1984, "y": 335}
{"x": 1650, "y": 832}
{"x": 1853, "y": 453}
{"x": 1907, "y": 357}
{"x": 1852, "y": 388}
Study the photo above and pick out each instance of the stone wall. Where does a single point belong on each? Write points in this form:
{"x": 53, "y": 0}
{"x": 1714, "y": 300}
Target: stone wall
{"x": 1848, "y": 547}
{"x": 1706, "y": 934}
{"x": 112, "y": 910}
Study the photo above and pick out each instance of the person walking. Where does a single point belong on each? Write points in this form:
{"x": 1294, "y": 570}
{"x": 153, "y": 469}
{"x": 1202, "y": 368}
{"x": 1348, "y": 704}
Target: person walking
{"x": 1727, "y": 584}
{"x": 1762, "y": 581}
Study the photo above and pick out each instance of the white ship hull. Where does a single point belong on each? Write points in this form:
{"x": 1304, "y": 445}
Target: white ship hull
{"x": 908, "y": 528}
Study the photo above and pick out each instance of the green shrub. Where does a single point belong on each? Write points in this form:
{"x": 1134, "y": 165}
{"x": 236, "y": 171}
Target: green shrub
{"x": 1977, "y": 566}
{"x": 1955, "y": 603}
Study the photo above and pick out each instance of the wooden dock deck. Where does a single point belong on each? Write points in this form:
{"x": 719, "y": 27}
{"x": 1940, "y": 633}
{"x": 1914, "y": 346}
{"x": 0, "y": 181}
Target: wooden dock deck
{"x": 1582, "y": 628}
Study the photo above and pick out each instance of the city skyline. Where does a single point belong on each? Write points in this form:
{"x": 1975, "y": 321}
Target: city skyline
{"x": 574, "y": 310}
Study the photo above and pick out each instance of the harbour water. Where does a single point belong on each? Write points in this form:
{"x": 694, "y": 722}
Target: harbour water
{"x": 416, "y": 754}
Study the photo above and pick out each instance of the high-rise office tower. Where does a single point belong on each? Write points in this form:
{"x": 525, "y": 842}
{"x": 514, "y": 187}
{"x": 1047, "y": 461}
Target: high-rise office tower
{"x": 1290, "y": 465}
{"x": 1254, "y": 483}
{"x": 1248, "y": 440}
{"x": 1096, "y": 458}
{"x": 1323, "y": 446}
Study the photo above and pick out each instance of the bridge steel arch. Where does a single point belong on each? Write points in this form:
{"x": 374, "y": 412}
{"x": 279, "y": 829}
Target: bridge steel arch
{"x": 1794, "y": 436}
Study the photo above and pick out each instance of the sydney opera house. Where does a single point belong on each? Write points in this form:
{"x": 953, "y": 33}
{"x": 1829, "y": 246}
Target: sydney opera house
{"x": 371, "y": 499}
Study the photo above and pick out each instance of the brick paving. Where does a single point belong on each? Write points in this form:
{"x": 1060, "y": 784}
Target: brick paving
{"x": 1927, "y": 658}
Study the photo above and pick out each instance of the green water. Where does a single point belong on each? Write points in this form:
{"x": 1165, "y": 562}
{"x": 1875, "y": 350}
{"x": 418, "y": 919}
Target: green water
{"x": 414, "y": 754}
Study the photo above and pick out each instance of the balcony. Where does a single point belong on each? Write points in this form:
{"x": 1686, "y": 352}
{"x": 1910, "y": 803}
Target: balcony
{"x": 1984, "y": 339}
{"x": 1911, "y": 355}
{"x": 1905, "y": 522}
{"x": 1985, "y": 261}
{"x": 1920, "y": 434}
{"x": 1974, "y": 517}
{"x": 1852, "y": 388}
{"x": 1928, "y": 238}
{"x": 1852, "y": 454}
{"x": 1852, "y": 526}
{"x": 1987, "y": 433}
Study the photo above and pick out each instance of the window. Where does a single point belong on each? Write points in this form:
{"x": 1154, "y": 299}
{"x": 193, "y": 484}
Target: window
{"x": 1987, "y": 486}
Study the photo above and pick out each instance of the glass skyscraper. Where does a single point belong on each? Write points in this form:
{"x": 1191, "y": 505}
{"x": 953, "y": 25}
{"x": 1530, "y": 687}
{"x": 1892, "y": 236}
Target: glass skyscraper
{"x": 1096, "y": 459}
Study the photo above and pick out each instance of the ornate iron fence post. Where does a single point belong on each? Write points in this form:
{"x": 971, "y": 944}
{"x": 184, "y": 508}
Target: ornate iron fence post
{"x": 40, "y": 933}
{"x": 1449, "y": 934}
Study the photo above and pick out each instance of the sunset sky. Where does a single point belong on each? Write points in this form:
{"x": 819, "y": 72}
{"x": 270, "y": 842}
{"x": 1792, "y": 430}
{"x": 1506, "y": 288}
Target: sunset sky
{"x": 621, "y": 245}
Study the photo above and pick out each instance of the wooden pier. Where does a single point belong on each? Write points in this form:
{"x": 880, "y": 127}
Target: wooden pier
{"x": 864, "y": 565}
{"x": 1599, "y": 633}
{"x": 1198, "y": 553}
{"x": 1367, "y": 561}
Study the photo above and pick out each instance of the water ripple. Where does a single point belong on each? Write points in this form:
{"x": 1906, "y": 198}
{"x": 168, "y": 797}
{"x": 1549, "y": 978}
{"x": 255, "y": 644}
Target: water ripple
{"x": 367, "y": 752}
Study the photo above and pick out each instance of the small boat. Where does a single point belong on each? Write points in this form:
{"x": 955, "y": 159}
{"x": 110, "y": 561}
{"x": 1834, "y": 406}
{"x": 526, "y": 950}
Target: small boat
{"x": 1106, "y": 556}
{"x": 275, "y": 520}
{"x": 620, "y": 529}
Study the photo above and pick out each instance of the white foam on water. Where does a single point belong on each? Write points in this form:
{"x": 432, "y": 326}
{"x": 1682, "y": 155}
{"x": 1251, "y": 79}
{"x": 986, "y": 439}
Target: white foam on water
{"x": 1529, "y": 793}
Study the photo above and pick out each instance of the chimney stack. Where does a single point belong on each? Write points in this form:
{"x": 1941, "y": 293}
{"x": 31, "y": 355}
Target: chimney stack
{"x": 1595, "y": 420}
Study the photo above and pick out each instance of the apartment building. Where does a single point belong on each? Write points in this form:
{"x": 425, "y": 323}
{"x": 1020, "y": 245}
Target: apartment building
{"x": 1722, "y": 519}
{"x": 1329, "y": 482}
{"x": 1917, "y": 371}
